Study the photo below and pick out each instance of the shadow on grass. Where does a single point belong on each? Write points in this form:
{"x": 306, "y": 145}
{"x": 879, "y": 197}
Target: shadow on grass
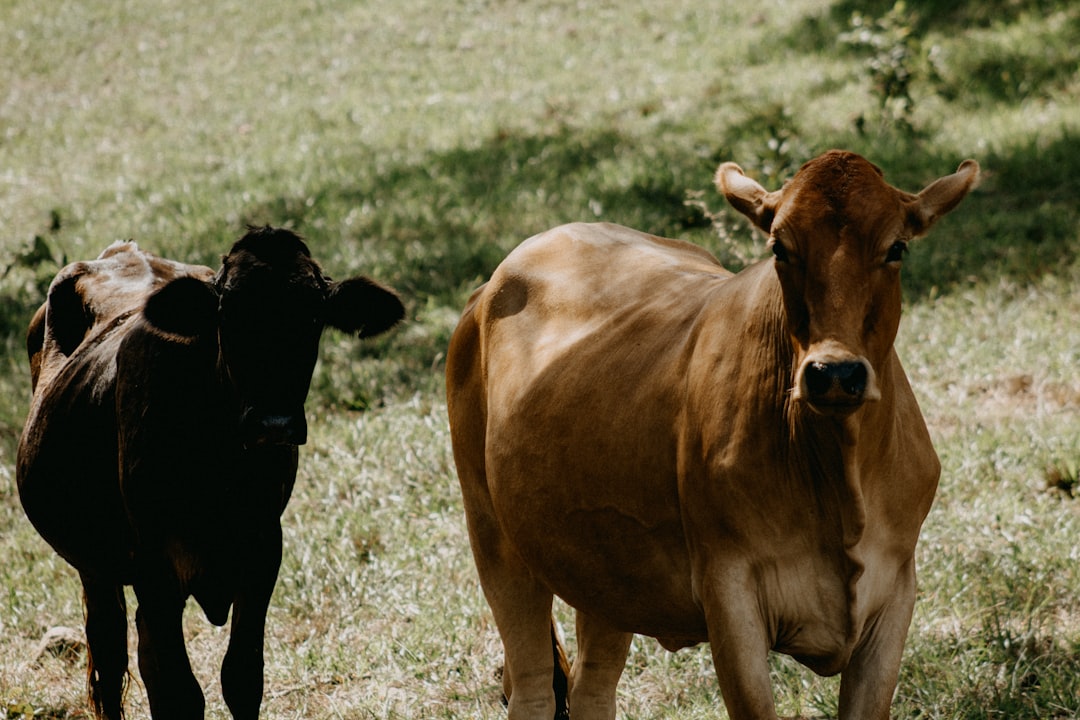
{"x": 435, "y": 229}
{"x": 1020, "y": 223}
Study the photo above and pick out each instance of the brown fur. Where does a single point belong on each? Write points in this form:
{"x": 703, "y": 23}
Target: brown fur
{"x": 736, "y": 459}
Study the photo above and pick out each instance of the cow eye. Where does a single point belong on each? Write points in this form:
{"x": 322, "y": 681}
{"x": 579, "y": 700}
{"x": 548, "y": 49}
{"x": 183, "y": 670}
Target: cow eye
{"x": 897, "y": 251}
{"x": 779, "y": 251}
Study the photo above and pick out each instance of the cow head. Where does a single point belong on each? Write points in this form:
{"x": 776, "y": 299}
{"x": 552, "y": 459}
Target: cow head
{"x": 838, "y": 233}
{"x": 265, "y": 310}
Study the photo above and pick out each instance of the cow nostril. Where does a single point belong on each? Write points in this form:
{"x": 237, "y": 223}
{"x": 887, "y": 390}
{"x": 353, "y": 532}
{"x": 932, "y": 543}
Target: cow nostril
{"x": 852, "y": 377}
{"x": 273, "y": 429}
{"x": 822, "y": 378}
{"x": 285, "y": 429}
{"x": 818, "y": 379}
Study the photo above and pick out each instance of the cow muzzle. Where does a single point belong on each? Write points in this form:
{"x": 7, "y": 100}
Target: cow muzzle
{"x": 836, "y": 384}
{"x": 261, "y": 429}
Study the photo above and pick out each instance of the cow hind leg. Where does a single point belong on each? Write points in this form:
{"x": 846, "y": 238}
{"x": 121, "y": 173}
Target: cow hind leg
{"x": 520, "y": 603}
{"x": 106, "y": 642}
{"x": 530, "y": 667}
{"x": 560, "y": 681}
{"x": 522, "y": 609}
{"x": 601, "y": 657}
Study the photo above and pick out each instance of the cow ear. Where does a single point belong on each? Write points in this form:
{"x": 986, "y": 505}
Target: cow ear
{"x": 362, "y": 306}
{"x": 186, "y": 307}
{"x": 35, "y": 343}
{"x": 942, "y": 195}
{"x": 746, "y": 195}
{"x": 67, "y": 318}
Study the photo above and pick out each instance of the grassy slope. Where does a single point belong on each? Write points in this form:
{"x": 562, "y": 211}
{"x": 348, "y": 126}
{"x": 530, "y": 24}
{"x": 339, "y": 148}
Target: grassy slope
{"x": 418, "y": 143}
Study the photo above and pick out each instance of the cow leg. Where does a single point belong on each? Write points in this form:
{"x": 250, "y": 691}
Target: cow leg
{"x": 740, "y": 646}
{"x": 560, "y": 681}
{"x": 869, "y": 680}
{"x": 520, "y": 603}
{"x": 522, "y": 613}
{"x": 171, "y": 687}
{"x": 601, "y": 657}
{"x": 106, "y": 642}
{"x": 522, "y": 609}
{"x": 242, "y": 669}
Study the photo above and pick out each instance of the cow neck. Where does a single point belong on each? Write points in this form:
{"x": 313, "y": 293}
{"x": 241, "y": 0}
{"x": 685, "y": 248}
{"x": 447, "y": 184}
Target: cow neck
{"x": 230, "y": 392}
{"x": 817, "y": 448}
{"x": 828, "y": 450}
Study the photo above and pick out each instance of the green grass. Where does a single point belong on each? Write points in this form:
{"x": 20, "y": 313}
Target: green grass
{"x": 419, "y": 142}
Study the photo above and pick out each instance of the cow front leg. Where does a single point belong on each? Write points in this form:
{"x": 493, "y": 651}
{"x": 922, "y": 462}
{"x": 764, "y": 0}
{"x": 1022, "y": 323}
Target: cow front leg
{"x": 171, "y": 687}
{"x": 242, "y": 669}
{"x": 740, "y": 646}
{"x": 106, "y": 642}
{"x": 594, "y": 676}
{"x": 868, "y": 682}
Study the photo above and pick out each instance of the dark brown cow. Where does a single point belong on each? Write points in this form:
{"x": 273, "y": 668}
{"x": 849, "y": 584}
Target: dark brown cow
{"x": 699, "y": 456}
{"x": 161, "y": 445}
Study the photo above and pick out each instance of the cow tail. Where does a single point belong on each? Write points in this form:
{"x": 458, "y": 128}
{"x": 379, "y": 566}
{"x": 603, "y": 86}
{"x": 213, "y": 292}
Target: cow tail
{"x": 560, "y": 679}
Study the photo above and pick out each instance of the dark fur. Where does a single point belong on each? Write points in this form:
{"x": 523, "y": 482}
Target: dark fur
{"x": 158, "y": 457}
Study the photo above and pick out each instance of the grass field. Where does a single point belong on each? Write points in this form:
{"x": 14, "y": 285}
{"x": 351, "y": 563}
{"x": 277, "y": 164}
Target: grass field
{"x": 418, "y": 142}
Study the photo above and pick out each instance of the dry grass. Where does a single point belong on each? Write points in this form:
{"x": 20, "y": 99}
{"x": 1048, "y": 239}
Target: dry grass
{"x": 420, "y": 141}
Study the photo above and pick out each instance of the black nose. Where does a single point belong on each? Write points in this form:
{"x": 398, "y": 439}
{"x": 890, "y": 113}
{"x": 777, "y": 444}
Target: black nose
{"x": 273, "y": 429}
{"x": 823, "y": 378}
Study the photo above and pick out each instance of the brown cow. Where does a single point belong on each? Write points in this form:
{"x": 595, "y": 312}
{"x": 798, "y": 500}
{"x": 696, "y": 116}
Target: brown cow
{"x": 161, "y": 446}
{"x": 730, "y": 458}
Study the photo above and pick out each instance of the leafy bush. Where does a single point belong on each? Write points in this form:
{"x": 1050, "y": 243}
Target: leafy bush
{"x": 893, "y": 52}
